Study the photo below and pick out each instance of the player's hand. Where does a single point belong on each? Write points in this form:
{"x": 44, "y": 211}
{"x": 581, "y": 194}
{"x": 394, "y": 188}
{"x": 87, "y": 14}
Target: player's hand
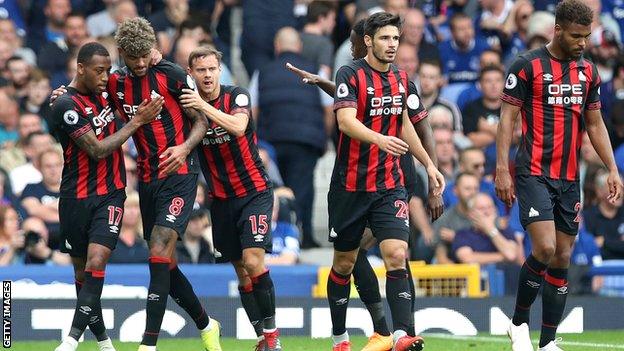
{"x": 392, "y": 145}
{"x": 148, "y": 110}
{"x": 306, "y": 76}
{"x": 191, "y": 99}
{"x": 435, "y": 204}
{"x": 436, "y": 180}
{"x": 56, "y": 93}
{"x": 615, "y": 186}
{"x": 505, "y": 187}
{"x": 172, "y": 159}
{"x": 155, "y": 57}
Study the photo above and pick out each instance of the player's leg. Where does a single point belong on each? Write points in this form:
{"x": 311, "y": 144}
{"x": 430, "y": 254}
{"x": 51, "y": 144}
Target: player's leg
{"x": 555, "y": 291}
{"x": 248, "y": 300}
{"x": 162, "y": 243}
{"x": 536, "y": 215}
{"x": 367, "y": 285}
{"x": 182, "y": 293}
{"x": 254, "y": 225}
{"x": 389, "y": 221}
{"x": 347, "y": 220}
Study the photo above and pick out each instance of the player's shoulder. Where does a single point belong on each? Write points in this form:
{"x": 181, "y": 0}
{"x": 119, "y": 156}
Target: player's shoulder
{"x": 234, "y": 90}
{"x": 64, "y": 102}
{"x": 352, "y": 67}
{"x": 532, "y": 55}
{"x": 169, "y": 67}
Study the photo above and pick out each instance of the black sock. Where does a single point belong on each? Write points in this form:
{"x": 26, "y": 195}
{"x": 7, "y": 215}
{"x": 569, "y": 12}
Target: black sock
{"x": 97, "y": 326}
{"x": 529, "y": 282}
{"x": 251, "y": 307}
{"x": 182, "y": 293}
{"x": 554, "y": 298}
{"x": 160, "y": 282}
{"x": 399, "y": 299}
{"x": 338, "y": 290}
{"x": 411, "y": 330}
{"x": 265, "y": 298}
{"x": 367, "y": 286}
{"x": 87, "y": 303}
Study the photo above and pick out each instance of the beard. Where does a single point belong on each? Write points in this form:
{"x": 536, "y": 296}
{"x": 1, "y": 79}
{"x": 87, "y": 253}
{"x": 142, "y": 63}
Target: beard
{"x": 380, "y": 57}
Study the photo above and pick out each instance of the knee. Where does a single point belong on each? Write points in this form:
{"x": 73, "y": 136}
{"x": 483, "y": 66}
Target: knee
{"x": 97, "y": 263}
{"x": 561, "y": 259}
{"x": 395, "y": 259}
{"x": 343, "y": 264}
{"x": 254, "y": 264}
{"x": 161, "y": 241}
{"x": 544, "y": 252}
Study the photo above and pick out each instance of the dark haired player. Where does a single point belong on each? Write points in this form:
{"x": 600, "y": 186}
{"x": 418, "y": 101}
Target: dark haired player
{"x": 93, "y": 183}
{"x": 364, "y": 276}
{"x": 367, "y": 183}
{"x": 242, "y": 204}
{"x": 557, "y": 92}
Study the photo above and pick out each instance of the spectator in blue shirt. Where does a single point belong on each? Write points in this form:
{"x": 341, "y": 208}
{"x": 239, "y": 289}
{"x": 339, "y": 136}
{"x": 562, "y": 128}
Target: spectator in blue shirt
{"x": 460, "y": 56}
{"x": 285, "y": 235}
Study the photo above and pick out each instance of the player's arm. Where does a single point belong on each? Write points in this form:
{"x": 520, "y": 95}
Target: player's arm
{"x": 234, "y": 124}
{"x": 408, "y": 134}
{"x": 35, "y": 208}
{"x": 99, "y": 149}
{"x": 517, "y": 87}
{"x": 504, "y": 183}
{"x": 599, "y": 137}
{"x": 326, "y": 85}
{"x": 350, "y": 125}
{"x": 175, "y": 156}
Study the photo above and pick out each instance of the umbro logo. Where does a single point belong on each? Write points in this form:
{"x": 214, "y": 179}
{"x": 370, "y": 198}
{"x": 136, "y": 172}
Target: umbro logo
{"x": 532, "y": 284}
{"x": 85, "y": 309}
{"x": 547, "y": 77}
{"x": 67, "y": 245}
{"x": 120, "y": 95}
{"x": 401, "y": 88}
{"x": 114, "y": 229}
{"x": 533, "y": 213}
{"x": 405, "y": 295}
{"x": 154, "y": 94}
{"x": 171, "y": 218}
{"x": 93, "y": 319}
{"x": 342, "y": 301}
{"x": 562, "y": 290}
{"x": 89, "y": 110}
{"x": 153, "y": 297}
{"x": 370, "y": 90}
{"x": 258, "y": 238}
{"x": 333, "y": 234}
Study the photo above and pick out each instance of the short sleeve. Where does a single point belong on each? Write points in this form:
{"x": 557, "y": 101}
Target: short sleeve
{"x": 31, "y": 191}
{"x": 415, "y": 108}
{"x": 593, "y": 95}
{"x": 517, "y": 83}
{"x": 240, "y": 102}
{"x": 68, "y": 119}
{"x": 461, "y": 240}
{"x": 346, "y": 88}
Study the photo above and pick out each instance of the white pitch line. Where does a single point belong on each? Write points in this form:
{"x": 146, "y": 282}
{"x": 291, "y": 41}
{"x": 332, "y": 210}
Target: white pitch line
{"x": 505, "y": 340}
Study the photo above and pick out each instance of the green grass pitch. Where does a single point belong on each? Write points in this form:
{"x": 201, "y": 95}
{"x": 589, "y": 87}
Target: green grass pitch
{"x": 591, "y": 340}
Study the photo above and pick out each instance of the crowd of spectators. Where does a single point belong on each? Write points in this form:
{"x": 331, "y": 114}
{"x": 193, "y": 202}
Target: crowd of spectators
{"x": 456, "y": 51}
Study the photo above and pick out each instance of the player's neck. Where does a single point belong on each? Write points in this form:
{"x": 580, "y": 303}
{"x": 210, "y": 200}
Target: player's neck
{"x": 555, "y": 51}
{"x": 376, "y": 64}
{"x": 213, "y": 95}
{"x": 78, "y": 85}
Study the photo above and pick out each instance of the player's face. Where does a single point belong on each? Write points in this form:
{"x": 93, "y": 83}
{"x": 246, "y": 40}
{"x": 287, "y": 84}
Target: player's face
{"x": 206, "y": 72}
{"x": 572, "y": 38}
{"x": 358, "y": 47}
{"x": 95, "y": 73}
{"x": 384, "y": 44}
{"x": 137, "y": 64}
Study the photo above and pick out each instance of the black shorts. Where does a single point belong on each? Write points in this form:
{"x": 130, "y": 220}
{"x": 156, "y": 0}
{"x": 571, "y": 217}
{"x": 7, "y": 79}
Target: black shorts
{"x": 241, "y": 223}
{"x": 545, "y": 199}
{"x": 167, "y": 203}
{"x": 96, "y": 219}
{"x": 385, "y": 212}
